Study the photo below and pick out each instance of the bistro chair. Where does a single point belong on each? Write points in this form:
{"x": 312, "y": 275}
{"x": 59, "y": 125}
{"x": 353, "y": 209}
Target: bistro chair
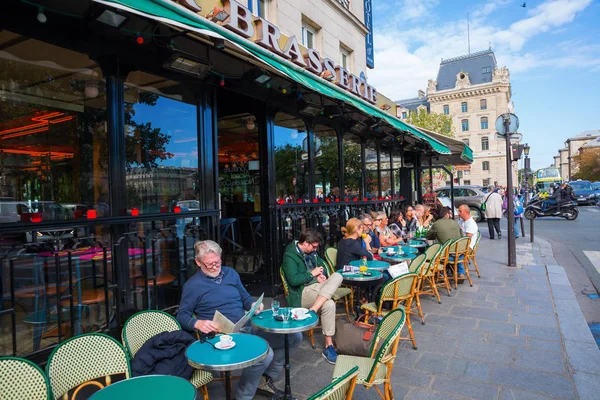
{"x": 85, "y": 360}
{"x": 377, "y": 368}
{"x": 440, "y": 273}
{"x": 471, "y": 255}
{"x": 341, "y": 388}
{"x": 427, "y": 278}
{"x": 342, "y": 293}
{"x": 456, "y": 254}
{"x": 21, "y": 379}
{"x": 416, "y": 266}
{"x": 397, "y": 291}
{"x": 143, "y": 325}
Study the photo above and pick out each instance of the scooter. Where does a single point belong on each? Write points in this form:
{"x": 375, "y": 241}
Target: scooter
{"x": 567, "y": 210}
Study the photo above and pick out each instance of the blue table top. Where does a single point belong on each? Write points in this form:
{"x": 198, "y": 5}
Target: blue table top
{"x": 149, "y": 387}
{"x": 265, "y": 321}
{"x": 373, "y": 264}
{"x": 358, "y": 277}
{"x": 405, "y": 249}
{"x": 248, "y": 350}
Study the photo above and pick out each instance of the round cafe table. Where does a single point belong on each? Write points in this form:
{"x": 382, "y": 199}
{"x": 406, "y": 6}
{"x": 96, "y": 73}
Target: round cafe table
{"x": 373, "y": 264}
{"x": 356, "y": 278}
{"x": 248, "y": 350}
{"x": 265, "y": 321}
{"x": 148, "y": 387}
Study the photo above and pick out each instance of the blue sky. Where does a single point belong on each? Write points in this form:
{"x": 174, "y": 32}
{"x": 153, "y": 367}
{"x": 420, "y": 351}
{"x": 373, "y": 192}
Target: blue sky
{"x": 552, "y": 49}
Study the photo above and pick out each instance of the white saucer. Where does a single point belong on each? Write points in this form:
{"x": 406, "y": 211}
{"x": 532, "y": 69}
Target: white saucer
{"x": 220, "y": 347}
{"x": 302, "y": 319}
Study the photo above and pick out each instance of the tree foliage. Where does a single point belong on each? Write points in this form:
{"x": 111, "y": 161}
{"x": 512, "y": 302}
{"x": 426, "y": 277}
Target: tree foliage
{"x": 439, "y": 123}
{"x": 587, "y": 165}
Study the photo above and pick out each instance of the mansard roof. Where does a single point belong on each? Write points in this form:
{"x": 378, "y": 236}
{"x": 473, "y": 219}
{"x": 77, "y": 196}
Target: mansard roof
{"x": 479, "y": 66}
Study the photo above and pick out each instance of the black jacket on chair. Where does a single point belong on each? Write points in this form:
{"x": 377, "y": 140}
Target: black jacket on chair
{"x": 164, "y": 354}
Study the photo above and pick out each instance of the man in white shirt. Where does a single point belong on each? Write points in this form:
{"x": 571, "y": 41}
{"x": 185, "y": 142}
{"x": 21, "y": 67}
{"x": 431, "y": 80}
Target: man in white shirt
{"x": 467, "y": 223}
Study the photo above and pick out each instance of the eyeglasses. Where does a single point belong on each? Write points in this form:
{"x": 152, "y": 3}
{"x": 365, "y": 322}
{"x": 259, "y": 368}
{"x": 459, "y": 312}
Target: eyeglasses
{"x": 314, "y": 246}
{"x": 215, "y": 264}
{"x": 367, "y": 224}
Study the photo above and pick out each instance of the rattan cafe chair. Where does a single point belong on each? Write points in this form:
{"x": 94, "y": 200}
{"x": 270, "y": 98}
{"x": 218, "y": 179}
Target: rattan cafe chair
{"x": 377, "y": 368}
{"x": 456, "y": 254}
{"x": 471, "y": 255}
{"x": 143, "y": 325}
{"x": 440, "y": 273}
{"x": 343, "y": 293}
{"x": 416, "y": 266}
{"x": 21, "y": 379}
{"x": 341, "y": 388}
{"x": 82, "y": 361}
{"x": 427, "y": 278}
{"x": 311, "y": 332}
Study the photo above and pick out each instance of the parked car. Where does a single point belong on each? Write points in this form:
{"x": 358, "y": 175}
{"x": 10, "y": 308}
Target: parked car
{"x": 584, "y": 192}
{"x": 471, "y": 195}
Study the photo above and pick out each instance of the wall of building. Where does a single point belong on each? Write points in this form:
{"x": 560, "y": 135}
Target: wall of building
{"x": 497, "y": 95}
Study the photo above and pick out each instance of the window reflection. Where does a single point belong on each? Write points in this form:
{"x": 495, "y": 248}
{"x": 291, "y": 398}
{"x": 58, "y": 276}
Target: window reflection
{"x": 372, "y": 177}
{"x": 291, "y": 159}
{"x": 386, "y": 174}
{"x": 326, "y": 164}
{"x": 352, "y": 167}
{"x": 161, "y": 145}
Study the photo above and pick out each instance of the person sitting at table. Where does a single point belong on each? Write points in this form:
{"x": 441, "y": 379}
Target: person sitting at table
{"x": 444, "y": 228}
{"x": 368, "y": 224}
{"x": 218, "y": 288}
{"x": 350, "y": 247}
{"x": 411, "y": 218}
{"x": 398, "y": 223}
{"x": 424, "y": 218}
{"x": 309, "y": 286}
{"x": 386, "y": 236}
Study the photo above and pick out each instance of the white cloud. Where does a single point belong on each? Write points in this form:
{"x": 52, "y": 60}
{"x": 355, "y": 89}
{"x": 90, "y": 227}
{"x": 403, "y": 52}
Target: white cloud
{"x": 413, "y": 9}
{"x": 406, "y": 58}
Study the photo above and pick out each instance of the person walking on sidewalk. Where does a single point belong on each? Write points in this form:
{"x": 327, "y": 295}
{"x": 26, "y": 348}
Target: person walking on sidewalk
{"x": 309, "y": 285}
{"x": 493, "y": 212}
{"x": 518, "y": 211}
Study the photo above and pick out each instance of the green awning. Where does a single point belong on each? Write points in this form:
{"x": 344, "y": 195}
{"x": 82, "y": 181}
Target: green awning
{"x": 165, "y": 11}
{"x": 467, "y": 154}
{"x": 461, "y": 152}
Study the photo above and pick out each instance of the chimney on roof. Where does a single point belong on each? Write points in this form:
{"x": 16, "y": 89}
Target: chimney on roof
{"x": 421, "y": 94}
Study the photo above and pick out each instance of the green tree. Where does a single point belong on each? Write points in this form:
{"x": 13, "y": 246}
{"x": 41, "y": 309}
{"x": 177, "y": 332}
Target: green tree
{"x": 439, "y": 123}
{"x": 587, "y": 165}
{"x": 287, "y": 160}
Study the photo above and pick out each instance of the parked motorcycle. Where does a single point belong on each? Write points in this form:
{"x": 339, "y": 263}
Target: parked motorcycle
{"x": 566, "y": 210}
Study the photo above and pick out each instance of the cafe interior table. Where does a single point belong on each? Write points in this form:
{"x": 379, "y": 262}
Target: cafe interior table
{"x": 265, "y": 321}
{"x": 248, "y": 350}
{"x": 148, "y": 387}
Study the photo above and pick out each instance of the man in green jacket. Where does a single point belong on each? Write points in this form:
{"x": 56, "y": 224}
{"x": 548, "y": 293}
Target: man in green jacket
{"x": 309, "y": 286}
{"x": 445, "y": 228}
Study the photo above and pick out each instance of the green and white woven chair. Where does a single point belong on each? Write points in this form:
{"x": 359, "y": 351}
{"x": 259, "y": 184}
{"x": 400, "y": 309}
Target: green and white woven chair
{"x": 458, "y": 253}
{"x": 426, "y": 283}
{"x": 342, "y": 293}
{"x": 81, "y": 360}
{"x": 376, "y": 369}
{"x": 440, "y": 273}
{"x": 21, "y": 379}
{"x": 341, "y": 388}
{"x": 416, "y": 265}
{"x": 397, "y": 291}
{"x": 471, "y": 255}
{"x": 143, "y": 325}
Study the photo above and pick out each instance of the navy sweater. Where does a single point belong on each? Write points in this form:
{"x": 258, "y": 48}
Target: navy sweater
{"x": 202, "y": 296}
{"x": 349, "y": 250}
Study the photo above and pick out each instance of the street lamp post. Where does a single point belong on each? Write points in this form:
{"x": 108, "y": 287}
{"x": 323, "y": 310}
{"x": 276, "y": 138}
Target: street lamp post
{"x": 510, "y": 123}
{"x": 527, "y": 168}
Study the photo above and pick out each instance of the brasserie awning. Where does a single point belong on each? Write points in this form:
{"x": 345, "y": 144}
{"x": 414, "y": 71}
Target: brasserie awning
{"x": 170, "y": 13}
{"x": 461, "y": 153}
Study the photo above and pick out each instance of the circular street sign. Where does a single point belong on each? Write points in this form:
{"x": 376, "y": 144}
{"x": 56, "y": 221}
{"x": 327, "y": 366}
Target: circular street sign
{"x": 513, "y": 126}
{"x": 294, "y": 181}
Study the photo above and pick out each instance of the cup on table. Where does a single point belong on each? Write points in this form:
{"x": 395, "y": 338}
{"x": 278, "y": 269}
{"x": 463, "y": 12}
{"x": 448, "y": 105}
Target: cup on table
{"x": 275, "y": 307}
{"x": 285, "y": 315}
{"x": 299, "y": 313}
{"x": 390, "y": 251}
{"x": 225, "y": 340}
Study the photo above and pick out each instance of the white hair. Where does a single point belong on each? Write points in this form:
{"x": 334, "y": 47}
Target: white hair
{"x": 203, "y": 247}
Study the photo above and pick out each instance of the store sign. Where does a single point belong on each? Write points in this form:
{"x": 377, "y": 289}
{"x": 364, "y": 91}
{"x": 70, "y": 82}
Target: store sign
{"x": 369, "y": 37}
{"x": 267, "y": 35}
{"x": 190, "y": 5}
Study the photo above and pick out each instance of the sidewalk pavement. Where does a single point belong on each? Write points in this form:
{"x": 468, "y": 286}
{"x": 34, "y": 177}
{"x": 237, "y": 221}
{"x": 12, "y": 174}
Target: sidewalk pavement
{"x": 518, "y": 333}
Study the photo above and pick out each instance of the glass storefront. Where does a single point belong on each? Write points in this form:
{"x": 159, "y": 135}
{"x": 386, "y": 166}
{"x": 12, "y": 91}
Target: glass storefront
{"x": 326, "y": 163}
{"x": 353, "y": 176}
{"x": 291, "y": 159}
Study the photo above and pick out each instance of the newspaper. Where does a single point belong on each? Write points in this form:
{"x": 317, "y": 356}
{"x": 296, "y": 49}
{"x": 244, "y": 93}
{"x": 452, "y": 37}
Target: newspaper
{"x": 226, "y": 326}
{"x": 398, "y": 269}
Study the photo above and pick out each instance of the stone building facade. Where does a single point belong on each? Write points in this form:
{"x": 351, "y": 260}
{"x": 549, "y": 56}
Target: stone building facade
{"x": 474, "y": 91}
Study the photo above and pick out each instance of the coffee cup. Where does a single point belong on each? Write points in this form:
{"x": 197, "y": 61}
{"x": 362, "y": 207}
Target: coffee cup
{"x": 299, "y": 313}
{"x": 225, "y": 340}
{"x": 390, "y": 251}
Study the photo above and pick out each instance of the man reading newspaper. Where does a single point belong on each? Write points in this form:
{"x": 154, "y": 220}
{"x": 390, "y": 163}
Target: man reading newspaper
{"x": 213, "y": 289}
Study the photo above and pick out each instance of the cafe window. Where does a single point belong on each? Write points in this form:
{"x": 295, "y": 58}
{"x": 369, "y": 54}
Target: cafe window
{"x": 485, "y": 143}
{"x": 446, "y": 109}
{"x": 161, "y": 137}
{"x": 326, "y": 163}
{"x": 352, "y": 167}
{"x": 53, "y": 139}
{"x": 291, "y": 159}
{"x": 386, "y": 174}
{"x": 372, "y": 178}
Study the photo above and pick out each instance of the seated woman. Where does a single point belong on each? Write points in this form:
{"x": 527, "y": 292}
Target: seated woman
{"x": 350, "y": 247}
{"x": 411, "y": 218}
{"x": 397, "y": 223}
{"x": 386, "y": 236}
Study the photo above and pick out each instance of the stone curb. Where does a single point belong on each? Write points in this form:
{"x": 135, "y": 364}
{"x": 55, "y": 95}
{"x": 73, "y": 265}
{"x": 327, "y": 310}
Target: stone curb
{"x": 583, "y": 354}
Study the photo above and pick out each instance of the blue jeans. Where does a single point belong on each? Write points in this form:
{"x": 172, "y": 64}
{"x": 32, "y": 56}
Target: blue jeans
{"x": 272, "y": 365}
{"x": 459, "y": 266}
{"x": 517, "y": 221}
{"x": 548, "y": 202}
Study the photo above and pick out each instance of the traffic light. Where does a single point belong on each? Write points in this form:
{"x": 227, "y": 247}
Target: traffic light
{"x": 517, "y": 150}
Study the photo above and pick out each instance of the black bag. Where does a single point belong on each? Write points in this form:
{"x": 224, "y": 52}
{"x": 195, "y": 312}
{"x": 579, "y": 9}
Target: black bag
{"x": 353, "y": 339}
